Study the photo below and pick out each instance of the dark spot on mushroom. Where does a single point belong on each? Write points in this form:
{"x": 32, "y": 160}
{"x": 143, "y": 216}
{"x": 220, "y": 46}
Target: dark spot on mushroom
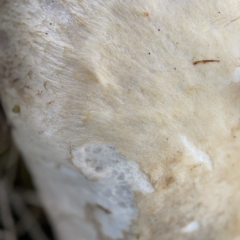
{"x": 115, "y": 160}
{"x": 174, "y": 68}
{"x": 146, "y": 14}
{"x": 168, "y": 181}
{"x": 30, "y": 73}
{"x": 104, "y": 209}
{"x": 15, "y": 80}
{"x": 50, "y": 23}
{"x": 111, "y": 147}
{"x": 45, "y": 85}
{"x": 205, "y": 61}
{"x": 149, "y": 53}
{"x": 159, "y": 29}
{"x": 98, "y": 169}
{"x": 48, "y": 103}
{"x": 138, "y": 235}
{"x": 16, "y": 109}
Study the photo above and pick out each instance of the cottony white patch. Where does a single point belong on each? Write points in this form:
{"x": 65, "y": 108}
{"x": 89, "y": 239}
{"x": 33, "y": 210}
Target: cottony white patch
{"x": 115, "y": 179}
{"x": 236, "y": 75}
{"x": 100, "y": 161}
{"x": 198, "y": 154}
{"x": 191, "y": 227}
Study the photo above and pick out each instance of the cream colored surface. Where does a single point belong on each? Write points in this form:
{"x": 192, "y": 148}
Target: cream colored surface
{"x": 122, "y": 73}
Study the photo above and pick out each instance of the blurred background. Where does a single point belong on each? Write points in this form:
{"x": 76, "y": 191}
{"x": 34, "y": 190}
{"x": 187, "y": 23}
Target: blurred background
{"x": 21, "y": 214}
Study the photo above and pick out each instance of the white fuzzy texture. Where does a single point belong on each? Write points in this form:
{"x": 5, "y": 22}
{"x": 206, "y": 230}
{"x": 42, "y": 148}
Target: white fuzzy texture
{"x": 236, "y": 75}
{"x": 191, "y": 227}
{"x": 197, "y": 153}
{"x": 116, "y": 178}
{"x": 100, "y": 161}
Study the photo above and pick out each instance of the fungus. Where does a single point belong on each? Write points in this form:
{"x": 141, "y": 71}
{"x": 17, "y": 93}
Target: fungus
{"x": 144, "y": 123}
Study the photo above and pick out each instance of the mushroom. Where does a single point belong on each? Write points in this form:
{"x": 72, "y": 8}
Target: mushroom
{"x": 127, "y": 114}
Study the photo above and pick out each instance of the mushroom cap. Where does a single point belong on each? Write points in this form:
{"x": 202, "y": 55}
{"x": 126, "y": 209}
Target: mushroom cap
{"x": 156, "y": 80}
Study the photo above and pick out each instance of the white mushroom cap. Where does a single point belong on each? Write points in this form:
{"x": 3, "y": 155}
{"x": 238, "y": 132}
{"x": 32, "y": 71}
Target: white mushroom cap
{"x": 158, "y": 80}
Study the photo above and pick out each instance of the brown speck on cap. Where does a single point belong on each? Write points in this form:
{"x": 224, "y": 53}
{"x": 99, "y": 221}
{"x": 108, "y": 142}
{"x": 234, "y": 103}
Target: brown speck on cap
{"x": 16, "y": 109}
{"x": 146, "y": 14}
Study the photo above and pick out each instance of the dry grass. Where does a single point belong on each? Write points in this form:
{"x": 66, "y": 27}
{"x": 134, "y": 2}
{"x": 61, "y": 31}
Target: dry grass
{"x": 21, "y": 214}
